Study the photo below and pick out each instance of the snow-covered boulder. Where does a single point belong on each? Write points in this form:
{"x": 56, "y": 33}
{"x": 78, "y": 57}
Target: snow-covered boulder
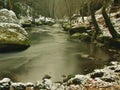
{"x": 18, "y": 86}
{"x": 8, "y": 16}
{"x": 44, "y": 21}
{"x": 26, "y": 21}
{"x": 5, "y": 84}
{"x": 13, "y": 37}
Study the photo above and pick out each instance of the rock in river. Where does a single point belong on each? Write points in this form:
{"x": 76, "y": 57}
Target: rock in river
{"x": 13, "y": 37}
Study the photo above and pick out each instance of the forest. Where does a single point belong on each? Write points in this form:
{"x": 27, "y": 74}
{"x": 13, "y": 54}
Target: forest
{"x": 59, "y": 44}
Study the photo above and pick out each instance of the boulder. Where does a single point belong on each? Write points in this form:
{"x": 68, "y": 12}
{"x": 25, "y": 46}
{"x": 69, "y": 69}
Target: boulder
{"x": 79, "y": 29}
{"x": 26, "y": 21}
{"x": 5, "y": 84}
{"x": 13, "y": 37}
{"x": 97, "y": 73}
{"x": 81, "y": 36}
{"x": 66, "y": 26}
{"x": 18, "y": 86}
{"x": 8, "y": 16}
{"x": 44, "y": 21}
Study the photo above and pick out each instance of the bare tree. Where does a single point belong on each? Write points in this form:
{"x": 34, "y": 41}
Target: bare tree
{"x": 92, "y": 9}
{"x": 69, "y": 8}
{"x": 110, "y": 26}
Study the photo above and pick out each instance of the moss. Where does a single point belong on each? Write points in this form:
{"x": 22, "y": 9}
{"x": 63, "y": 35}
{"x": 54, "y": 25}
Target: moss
{"x": 81, "y": 37}
{"x": 66, "y": 26}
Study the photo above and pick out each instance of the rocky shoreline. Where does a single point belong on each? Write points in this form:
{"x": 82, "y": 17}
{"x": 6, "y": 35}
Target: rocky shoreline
{"x": 107, "y": 78}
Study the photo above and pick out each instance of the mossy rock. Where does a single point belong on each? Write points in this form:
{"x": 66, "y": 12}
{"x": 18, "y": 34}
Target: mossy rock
{"x": 13, "y": 37}
{"x": 81, "y": 36}
{"x": 66, "y": 26}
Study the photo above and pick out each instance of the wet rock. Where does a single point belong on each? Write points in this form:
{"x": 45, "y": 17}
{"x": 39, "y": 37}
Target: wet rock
{"x": 112, "y": 67}
{"x": 76, "y": 81}
{"x": 97, "y": 73}
{"x": 46, "y": 77}
{"x": 117, "y": 70}
{"x": 108, "y": 79}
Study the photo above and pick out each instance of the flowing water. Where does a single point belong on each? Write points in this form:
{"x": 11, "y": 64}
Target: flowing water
{"x": 51, "y": 53}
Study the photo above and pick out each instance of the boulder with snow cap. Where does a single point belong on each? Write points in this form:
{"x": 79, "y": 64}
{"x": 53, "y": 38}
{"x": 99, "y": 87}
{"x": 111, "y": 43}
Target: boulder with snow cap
{"x": 97, "y": 73}
{"x": 13, "y": 37}
{"x": 46, "y": 83}
{"x": 79, "y": 79}
{"x": 5, "y": 84}
{"x": 26, "y": 22}
{"x": 18, "y": 86}
{"x": 8, "y": 16}
{"x": 79, "y": 29}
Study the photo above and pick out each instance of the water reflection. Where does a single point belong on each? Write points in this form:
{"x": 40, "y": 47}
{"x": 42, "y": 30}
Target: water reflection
{"x": 50, "y": 53}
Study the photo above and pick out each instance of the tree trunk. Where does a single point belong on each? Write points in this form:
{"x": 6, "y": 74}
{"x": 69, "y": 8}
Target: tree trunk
{"x": 94, "y": 21}
{"x": 10, "y": 5}
{"x": 111, "y": 28}
{"x": 81, "y": 13}
{"x": 53, "y": 9}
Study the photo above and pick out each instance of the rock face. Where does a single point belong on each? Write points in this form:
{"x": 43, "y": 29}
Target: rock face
{"x": 12, "y": 36}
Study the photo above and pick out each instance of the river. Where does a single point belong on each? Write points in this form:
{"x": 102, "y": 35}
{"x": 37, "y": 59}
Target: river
{"x": 51, "y": 53}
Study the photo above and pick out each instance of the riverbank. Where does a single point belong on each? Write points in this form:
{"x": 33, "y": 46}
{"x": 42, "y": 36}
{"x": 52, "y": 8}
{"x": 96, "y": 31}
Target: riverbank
{"x": 107, "y": 78}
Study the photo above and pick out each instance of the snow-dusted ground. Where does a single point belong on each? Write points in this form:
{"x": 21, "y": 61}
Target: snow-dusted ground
{"x": 113, "y": 17}
{"x": 108, "y": 77}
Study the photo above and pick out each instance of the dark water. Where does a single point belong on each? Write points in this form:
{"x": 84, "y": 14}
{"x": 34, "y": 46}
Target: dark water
{"x": 50, "y": 53}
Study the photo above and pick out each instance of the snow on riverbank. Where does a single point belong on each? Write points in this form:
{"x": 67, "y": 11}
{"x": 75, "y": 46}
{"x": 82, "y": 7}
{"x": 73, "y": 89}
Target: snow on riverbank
{"x": 101, "y": 79}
